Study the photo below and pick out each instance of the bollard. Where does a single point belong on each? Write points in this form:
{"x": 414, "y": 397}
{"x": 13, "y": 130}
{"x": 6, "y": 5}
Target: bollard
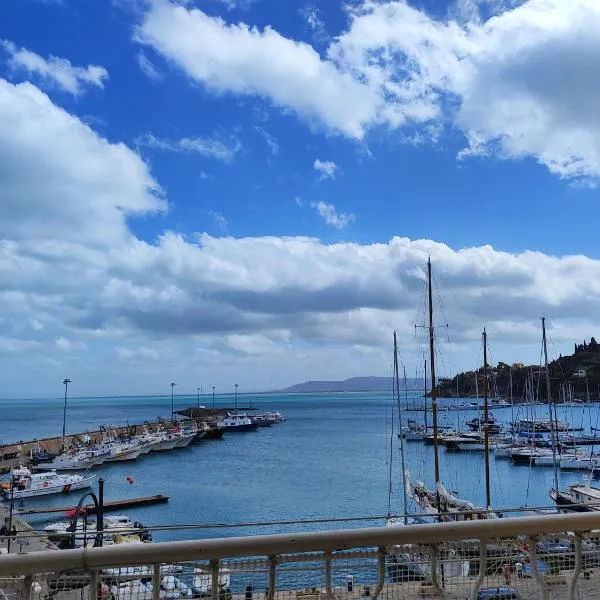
{"x": 350, "y": 583}
{"x": 249, "y": 589}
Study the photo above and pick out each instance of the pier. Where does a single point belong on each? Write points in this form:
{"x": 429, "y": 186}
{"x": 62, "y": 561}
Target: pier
{"x": 108, "y": 506}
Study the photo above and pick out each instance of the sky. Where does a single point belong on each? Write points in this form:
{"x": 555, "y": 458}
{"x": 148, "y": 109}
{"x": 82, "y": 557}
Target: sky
{"x": 212, "y": 192}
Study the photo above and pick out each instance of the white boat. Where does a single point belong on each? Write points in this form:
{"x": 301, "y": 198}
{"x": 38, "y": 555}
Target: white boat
{"x": 68, "y": 461}
{"x": 184, "y": 437}
{"x": 202, "y": 583}
{"x": 27, "y": 484}
{"x": 465, "y": 442}
{"x": 133, "y": 590}
{"x": 117, "y": 451}
{"x": 581, "y": 497}
{"x": 579, "y": 462}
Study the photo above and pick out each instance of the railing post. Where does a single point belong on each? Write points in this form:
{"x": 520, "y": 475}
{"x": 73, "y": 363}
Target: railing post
{"x": 380, "y": 572}
{"x": 577, "y": 569}
{"x": 328, "y": 588}
{"x": 93, "y": 593}
{"x": 534, "y": 567}
{"x": 433, "y": 553}
{"x": 482, "y": 568}
{"x": 156, "y": 582}
{"x": 214, "y": 579}
{"x": 272, "y": 577}
{"x": 27, "y": 585}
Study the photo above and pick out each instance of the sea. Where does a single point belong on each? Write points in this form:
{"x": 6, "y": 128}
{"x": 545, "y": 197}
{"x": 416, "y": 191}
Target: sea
{"x": 331, "y": 460}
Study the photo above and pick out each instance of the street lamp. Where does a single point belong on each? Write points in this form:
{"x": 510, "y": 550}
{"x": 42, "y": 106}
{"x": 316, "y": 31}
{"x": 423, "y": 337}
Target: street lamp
{"x": 213, "y": 387}
{"x": 66, "y": 383}
{"x": 172, "y": 402}
{"x": 199, "y": 397}
{"x": 236, "y": 387}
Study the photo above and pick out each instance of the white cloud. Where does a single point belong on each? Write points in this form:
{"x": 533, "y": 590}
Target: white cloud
{"x": 269, "y": 139}
{"x": 312, "y": 17}
{"x": 220, "y": 221}
{"x": 516, "y": 78}
{"x": 148, "y": 68}
{"x": 326, "y": 168}
{"x": 211, "y": 147}
{"x": 274, "y": 308}
{"x": 330, "y": 215}
{"x": 54, "y": 70}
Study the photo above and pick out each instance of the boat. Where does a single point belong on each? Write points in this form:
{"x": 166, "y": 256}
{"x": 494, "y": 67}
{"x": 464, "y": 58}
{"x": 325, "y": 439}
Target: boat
{"x": 581, "y": 497}
{"x": 26, "y": 484}
{"x": 439, "y": 503}
{"x": 118, "y": 451}
{"x": 202, "y": 582}
{"x": 237, "y": 422}
{"x": 213, "y": 432}
{"x": 465, "y": 442}
{"x": 68, "y": 461}
{"x": 579, "y": 462}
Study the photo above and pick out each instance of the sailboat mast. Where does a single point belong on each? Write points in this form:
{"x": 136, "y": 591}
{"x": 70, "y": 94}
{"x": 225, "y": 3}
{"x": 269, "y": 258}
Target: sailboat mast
{"x": 425, "y": 398}
{"x": 549, "y": 400}
{"x": 486, "y": 414}
{"x": 436, "y": 459}
{"x": 400, "y": 424}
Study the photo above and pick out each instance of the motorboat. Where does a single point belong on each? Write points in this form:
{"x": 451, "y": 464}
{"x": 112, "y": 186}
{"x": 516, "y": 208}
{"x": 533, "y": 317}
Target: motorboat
{"x": 581, "y": 497}
{"x": 25, "y": 484}
{"x": 117, "y": 450}
{"x": 237, "y": 422}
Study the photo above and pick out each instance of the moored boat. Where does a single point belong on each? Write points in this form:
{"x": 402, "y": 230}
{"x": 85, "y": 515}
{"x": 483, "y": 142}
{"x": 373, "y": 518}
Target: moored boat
{"x": 237, "y": 422}
{"x": 25, "y": 484}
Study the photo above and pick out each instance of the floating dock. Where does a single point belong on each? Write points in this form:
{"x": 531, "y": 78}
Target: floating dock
{"x": 110, "y": 505}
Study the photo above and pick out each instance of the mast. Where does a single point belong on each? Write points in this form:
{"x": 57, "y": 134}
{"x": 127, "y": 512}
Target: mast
{"x": 436, "y": 463}
{"x": 512, "y": 404}
{"x": 425, "y": 397}
{"x": 405, "y": 497}
{"x": 552, "y": 422}
{"x": 486, "y": 434}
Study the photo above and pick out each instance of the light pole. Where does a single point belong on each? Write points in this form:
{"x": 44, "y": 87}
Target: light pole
{"x": 66, "y": 383}
{"x": 198, "y": 397}
{"x": 172, "y": 402}
{"x": 213, "y": 396}
{"x": 236, "y": 387}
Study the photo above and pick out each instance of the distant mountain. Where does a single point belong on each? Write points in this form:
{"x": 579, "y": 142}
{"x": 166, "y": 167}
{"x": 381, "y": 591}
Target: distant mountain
{"x": 354, "y": 384}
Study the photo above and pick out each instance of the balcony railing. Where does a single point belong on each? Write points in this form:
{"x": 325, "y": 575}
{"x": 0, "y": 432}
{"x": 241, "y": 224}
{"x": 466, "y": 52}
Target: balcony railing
{"x": 546, "y": 557}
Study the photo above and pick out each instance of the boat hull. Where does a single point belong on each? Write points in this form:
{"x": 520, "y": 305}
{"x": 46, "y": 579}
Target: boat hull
{"x": 83, "y": 484}
{"x": 124, "y": 456}
{"x": 240, "y": 428}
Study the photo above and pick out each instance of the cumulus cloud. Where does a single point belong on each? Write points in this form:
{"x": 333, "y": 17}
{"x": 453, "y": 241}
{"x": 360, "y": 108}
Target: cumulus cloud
{"x": 73, "y": 275}
{"x": 55, "y": 71}
{"x": 326, "y": 168}
{"x": 211, "y": 147}
{"x": 330, "y": 215}
{"x": 516, "y": 78}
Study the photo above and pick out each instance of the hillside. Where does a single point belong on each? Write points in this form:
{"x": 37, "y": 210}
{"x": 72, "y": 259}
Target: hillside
{"x": 580, "y": 371}
{"x": 354, "y": 384}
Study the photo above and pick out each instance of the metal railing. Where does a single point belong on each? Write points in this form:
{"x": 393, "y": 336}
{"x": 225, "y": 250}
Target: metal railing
{"x": 555, "y": 556}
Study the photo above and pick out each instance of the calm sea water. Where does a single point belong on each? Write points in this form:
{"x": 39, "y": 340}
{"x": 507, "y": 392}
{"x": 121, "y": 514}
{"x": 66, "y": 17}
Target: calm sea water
{"x": 330, "y": 459}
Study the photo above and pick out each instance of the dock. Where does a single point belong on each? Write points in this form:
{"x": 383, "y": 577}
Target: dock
{"x": 109, "y": 506}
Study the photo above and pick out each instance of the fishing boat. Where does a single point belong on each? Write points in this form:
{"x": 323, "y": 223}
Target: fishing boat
{"x": 72, "y": 460}
{"x": 117, "y": 450}
{"x": 234, "y": 422}
{"x": 25, "y": 484}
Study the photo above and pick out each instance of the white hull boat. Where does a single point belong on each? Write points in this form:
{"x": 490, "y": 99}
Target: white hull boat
{"x": 27, "y": 484}
{"x": 184, "y": 439}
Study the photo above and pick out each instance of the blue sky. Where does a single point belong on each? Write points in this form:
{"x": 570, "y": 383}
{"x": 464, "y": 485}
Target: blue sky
{"x": 195, "y": 189}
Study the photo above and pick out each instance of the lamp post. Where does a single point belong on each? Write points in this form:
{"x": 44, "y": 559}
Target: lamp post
{"x": 236, "y": 387}
{"x": 213, "y": 387}
{"x": 66, "y": 383}
{"x": 172, "y": 402}
{"x": 198, "y": 397}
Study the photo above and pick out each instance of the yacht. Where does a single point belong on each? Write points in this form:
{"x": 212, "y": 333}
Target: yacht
{"x": 26, "y": 484}
{"x": 581, "y": 497}
{"x": 237, "y": 422}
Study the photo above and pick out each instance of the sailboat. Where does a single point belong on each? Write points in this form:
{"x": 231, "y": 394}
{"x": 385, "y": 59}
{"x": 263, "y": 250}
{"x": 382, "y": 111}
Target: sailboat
{"x": 440, "y": 503}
